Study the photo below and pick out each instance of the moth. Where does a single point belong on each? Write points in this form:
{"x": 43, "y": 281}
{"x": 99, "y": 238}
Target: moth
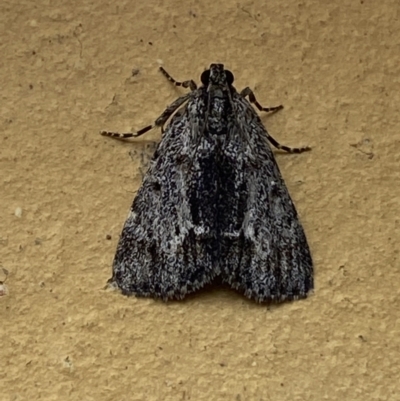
{"x": 213, "y": 203}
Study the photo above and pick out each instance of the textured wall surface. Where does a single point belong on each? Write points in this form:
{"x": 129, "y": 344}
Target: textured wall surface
{"x": 66, "y": 73}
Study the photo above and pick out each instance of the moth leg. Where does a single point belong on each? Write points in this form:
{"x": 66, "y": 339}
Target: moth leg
{"x": 185, "y": 84}
{"x": 252, "y": 98}
{"x": 158, "y": 123}
{"x": 286, "y": 148}
{"x": 248, "y": 92}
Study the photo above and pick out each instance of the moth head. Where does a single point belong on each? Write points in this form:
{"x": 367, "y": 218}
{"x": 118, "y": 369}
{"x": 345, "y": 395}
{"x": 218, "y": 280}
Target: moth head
{"x": 216, "y": 75}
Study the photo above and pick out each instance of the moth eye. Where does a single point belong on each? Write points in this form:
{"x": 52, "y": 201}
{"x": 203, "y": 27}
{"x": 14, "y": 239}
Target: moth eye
{"x": 205, "y": 77}
{"x": 229, "y": 77}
